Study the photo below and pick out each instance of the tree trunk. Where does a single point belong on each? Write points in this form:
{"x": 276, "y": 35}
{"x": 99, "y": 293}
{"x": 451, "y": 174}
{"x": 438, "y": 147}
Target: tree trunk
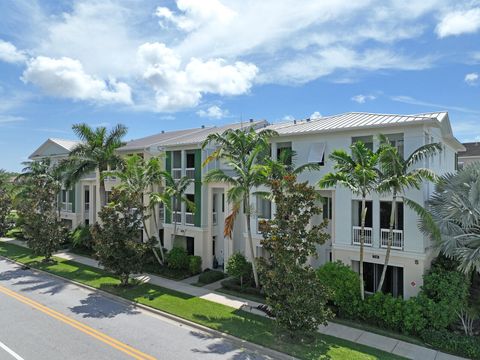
{"x": 390, "y": 240}
{"x": 250, "y": 241}
{"x": 362, "y": 247}
{"x": 175, "y": 212}
{"x": 124, "y": 279}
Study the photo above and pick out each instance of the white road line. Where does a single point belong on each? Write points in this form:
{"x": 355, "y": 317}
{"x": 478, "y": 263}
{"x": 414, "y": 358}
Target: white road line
{"x": 10, "y": 351}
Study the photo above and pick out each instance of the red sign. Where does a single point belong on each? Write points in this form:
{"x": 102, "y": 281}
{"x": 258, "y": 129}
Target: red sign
{"x": 413, "y": 283}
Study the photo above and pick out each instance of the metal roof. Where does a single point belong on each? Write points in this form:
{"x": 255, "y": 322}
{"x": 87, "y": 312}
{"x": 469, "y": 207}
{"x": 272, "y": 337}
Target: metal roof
{"x": 352, "y": 120}
{"x": 66, "y": 144}
{"x": 185, "y": 137}
{"x": 472, "y": 149}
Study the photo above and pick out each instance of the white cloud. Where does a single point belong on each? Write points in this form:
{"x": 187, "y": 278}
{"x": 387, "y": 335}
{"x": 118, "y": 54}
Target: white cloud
{"x": 288, "y": 118}
{"x": 361, "y": 99}
{"x": 412, "y": 101}
{"x": 9, "y": 53}
{"x": 177, "y": 86}
{"x": 65, "y": 77}
{"x": 471, "y": 79}
{"x": 459, "y": 22}
{"x": 195, "y": 14}
{"x": 213, "y": 112}
{"x": 315, "y": 115}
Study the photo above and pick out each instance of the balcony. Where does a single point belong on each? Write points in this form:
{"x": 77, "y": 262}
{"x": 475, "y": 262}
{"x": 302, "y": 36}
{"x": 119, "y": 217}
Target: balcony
{"x": 177, "y": 218}
{"x": 190, "y": 173}
{"x": 177, "y": 174}
{"x": 189, "y": 218}
{"x": 397, "y": 239}
{"x": 356, "y": 232}
{"x": 66, "y": 207}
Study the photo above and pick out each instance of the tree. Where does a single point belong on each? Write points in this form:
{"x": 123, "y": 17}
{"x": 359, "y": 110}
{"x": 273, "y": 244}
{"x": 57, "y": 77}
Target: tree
{"x": 5, "y": 201}
{"x": 358, "y": 173}
{"x": 239, "y": 268}
{"x": 397, "y": 176}
{"x": 295, "y": 295}
{"x": 96, "y": 153}
{"x": 39, "y": 187}
{"x": 116, "y": 239}
{"x": 175, "y": 192}
{"x": 455, "y": 210}
{"x": 138, "y": 179}
{"x": 244, "y": 151}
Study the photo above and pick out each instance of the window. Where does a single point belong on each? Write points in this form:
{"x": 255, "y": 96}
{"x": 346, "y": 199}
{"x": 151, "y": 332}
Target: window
{"x": 161, "y": 235}
{"x": 190, "y": 159}
{"x": 190, "y": 245}
{"x": 397, "y": 141}
{"x": 223, "y": 202}
{"x": 214, "y": 241}
{"x": 357, "y": 213}
{"x": 264, "y": 208}
{"x": 317, "y": 153}
{"x": 367, "y": 140}
{"x": 385, "y": 210}
{"x": 177, "y": 159}
{"x": 284, "y": 152}
{"x": 327, "y": 208}
{"x": 214, "y": 209}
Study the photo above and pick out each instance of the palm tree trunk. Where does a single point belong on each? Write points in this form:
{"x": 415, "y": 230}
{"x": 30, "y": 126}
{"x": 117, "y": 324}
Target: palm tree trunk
{"x": 362, "y": 247}
{"x": 250, "y": 241}
{"x": 174, "y": 235}
{"x": 390, "y": 240}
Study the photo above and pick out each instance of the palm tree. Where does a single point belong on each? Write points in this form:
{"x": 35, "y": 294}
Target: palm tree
{"x": 175, "y": 192}
{"x": 138, "y": 178}
{"x": 397, "y": 176}
{"x": 358, "y": 173}
{"x": 96, "y": 153}
{"x": 455, "y": 210}
{"x": 244, "y": 151}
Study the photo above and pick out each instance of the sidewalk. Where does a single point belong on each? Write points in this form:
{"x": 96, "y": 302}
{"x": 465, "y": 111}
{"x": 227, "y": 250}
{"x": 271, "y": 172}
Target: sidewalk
{"x": 398, "y": 347}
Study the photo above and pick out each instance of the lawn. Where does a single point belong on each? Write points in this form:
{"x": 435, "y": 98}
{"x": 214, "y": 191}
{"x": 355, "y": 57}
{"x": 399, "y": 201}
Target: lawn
{"x": 241, "y": 324}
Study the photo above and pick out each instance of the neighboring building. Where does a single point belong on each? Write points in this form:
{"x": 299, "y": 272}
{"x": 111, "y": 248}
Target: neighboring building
{"x": 77, "y": 204}
{"x": 200, "y": 230}
{"x": 470, "y": 155}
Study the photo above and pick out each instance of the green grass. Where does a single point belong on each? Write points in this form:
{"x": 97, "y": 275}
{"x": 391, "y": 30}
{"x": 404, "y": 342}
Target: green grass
{"x": 241, "y": 324}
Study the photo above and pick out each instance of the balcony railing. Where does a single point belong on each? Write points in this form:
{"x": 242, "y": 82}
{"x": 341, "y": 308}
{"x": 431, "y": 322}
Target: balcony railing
{"x": 67, "y": 207}
{"x": 190, "y": 173}
{"x": 214, "y": 218}
{"x": 189, "y": 218}
{"x": 177, "y": 217}
{"x": 397, "y": 239}
{"x": 177, "y": 174}
{"x": 357, "y": 231}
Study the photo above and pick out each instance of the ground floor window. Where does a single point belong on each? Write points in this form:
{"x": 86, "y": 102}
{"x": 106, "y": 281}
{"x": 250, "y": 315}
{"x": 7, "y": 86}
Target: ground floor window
{"x": 371, "y": 276}
{"x": 161, "y": 237}
{"x": 190, "y": 245}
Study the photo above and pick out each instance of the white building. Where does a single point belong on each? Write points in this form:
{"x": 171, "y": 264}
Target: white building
{"x": 470, "y": 155}
{"x": 201, "y": 231}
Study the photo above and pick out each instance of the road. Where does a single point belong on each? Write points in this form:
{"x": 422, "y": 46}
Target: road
{"x": 42, "y": 317}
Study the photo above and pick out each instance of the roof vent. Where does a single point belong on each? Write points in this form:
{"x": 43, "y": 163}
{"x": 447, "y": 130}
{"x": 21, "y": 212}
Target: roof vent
{"x": 251, "y": 120}
{"x": 307, "y": 119}
{"x": 294, "y": 121}
{"x": 163, "y": 131}
{"x": 203, "y": 126}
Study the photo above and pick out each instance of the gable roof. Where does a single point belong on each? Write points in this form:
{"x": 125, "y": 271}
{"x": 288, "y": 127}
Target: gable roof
{"x": 359, "y": 120}
{"x": 194, "y": 136}
{"x": 62, "y": 147}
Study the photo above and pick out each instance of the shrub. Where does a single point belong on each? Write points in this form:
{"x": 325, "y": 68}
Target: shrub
{"x": 177, "y": 258}
{"x": 239, "y": 268}
{"x": 194, "y": 264}
{"x": 451, "y": 342}
{"x": 210, "y": 276}
{"x": 16, "y": 233}
{"x": 232, "y": 284}
{"x": 81, "y": 237}
{"x": 344, "y": 287}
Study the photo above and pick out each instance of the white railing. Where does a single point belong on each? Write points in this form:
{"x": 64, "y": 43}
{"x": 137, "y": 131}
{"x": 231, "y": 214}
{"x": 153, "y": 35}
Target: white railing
{"x": 356, "y": 232}
{"x": 67, "y": 207}
{"x": 189, "y": 218}
{"x": 261, "y": 224}
{"x": 177, "y": 174}
{"x": 190, "y": 173}
{"x": 214, "y": 218}
{"x": 177, "y": 217}
{"x": 397, "y": 239}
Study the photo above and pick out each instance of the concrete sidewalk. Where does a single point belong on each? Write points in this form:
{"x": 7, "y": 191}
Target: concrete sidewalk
{"x": 398, "y": 347}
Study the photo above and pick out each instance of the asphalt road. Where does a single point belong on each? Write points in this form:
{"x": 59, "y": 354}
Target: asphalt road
{"x": 44, "y": 318}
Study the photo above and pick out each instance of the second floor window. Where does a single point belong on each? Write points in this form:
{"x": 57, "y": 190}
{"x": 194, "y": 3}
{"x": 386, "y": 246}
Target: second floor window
{"x": 367, "y": 140}
{"x": 264, "y": 208}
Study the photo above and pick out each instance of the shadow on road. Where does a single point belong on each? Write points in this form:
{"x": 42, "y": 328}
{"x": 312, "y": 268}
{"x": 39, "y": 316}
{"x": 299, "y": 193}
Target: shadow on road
{"x": 51, "y": 287}
{"x": 223, "y": 347}
{"x": 98, "y": 306}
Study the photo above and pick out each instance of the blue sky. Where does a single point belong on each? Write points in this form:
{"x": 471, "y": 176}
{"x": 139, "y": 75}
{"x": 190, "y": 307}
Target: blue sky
{"x": 161, "y": 65}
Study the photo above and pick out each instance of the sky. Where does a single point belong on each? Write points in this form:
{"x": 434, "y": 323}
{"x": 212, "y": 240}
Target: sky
{"x": 164, "y": 65}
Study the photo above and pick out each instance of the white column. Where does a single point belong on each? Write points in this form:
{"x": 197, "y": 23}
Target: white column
{"x": 208, "y": 248}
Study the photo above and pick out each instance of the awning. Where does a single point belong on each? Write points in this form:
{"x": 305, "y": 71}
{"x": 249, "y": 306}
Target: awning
{"x": 316, "y": 153}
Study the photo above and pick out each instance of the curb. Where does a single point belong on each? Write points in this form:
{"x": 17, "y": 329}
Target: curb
{"x": 258, "y": 349}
